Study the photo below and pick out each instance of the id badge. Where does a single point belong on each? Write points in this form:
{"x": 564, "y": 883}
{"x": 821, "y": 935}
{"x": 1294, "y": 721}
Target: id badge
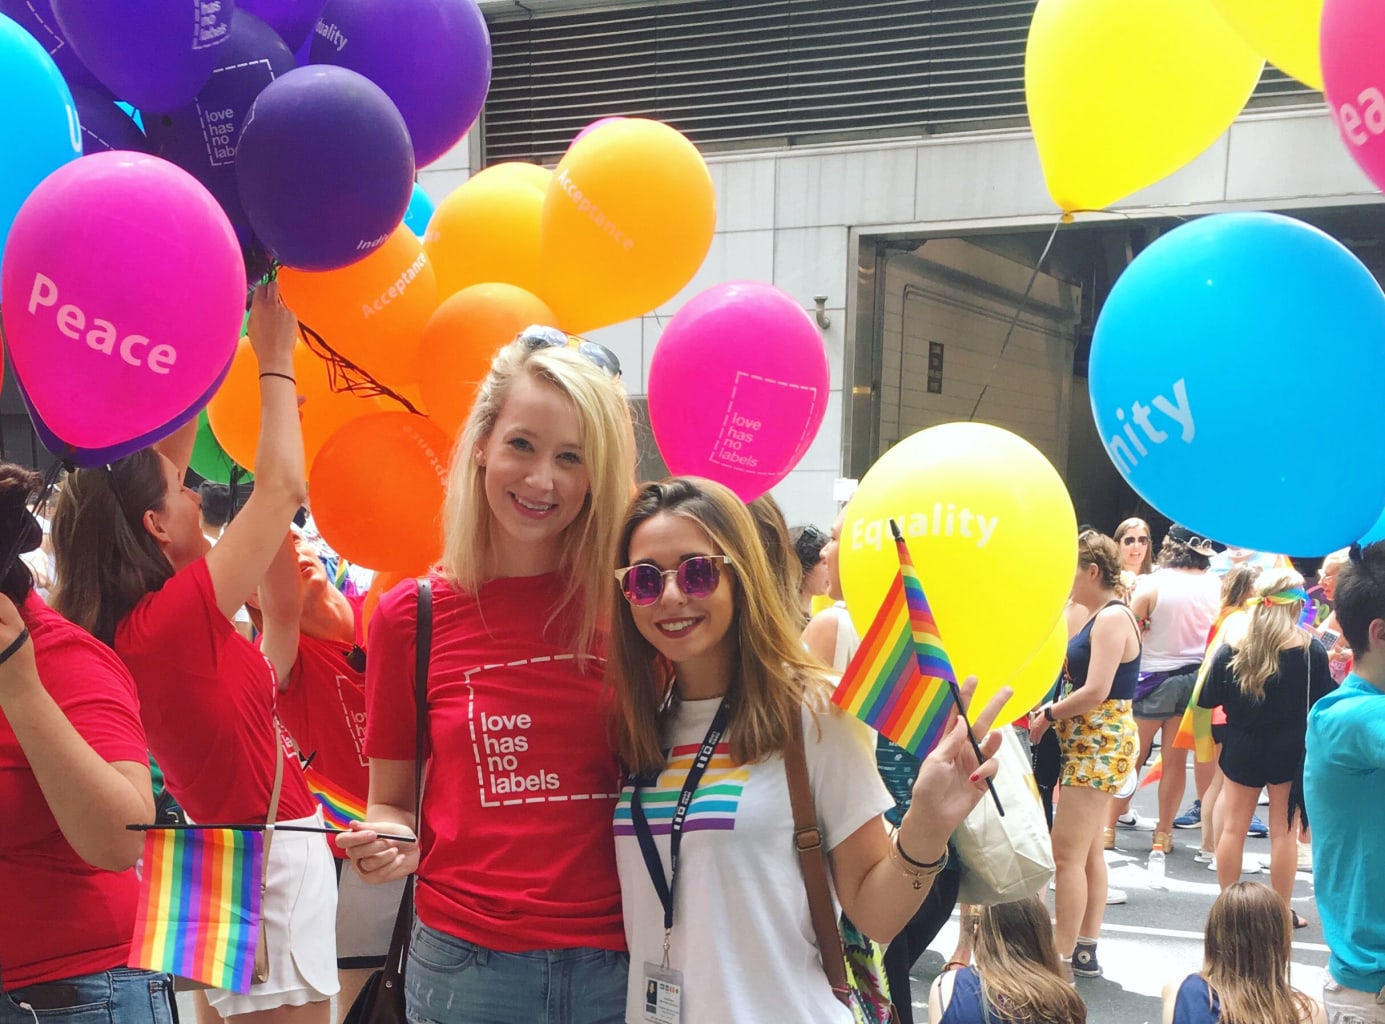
{"x": 663, "y": 995}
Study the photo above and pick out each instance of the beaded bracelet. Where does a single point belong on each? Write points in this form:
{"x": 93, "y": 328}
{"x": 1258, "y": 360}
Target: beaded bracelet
{"x": 917, "y": 870}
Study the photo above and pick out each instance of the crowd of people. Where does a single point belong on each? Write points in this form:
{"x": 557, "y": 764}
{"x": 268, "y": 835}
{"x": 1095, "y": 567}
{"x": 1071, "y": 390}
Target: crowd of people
{"x": 627, "y": 709}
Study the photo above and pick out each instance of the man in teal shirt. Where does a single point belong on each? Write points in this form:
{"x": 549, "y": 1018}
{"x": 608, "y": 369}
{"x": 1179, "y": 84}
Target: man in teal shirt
{"x": 1344, "y": 777}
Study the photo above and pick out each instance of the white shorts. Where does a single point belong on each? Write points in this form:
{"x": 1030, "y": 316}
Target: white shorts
{"x": 365, "y": 919}
{"x": 300, "y": 908}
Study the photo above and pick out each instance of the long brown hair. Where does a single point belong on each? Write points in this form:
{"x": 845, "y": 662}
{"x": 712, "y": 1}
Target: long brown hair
{"x": 19, "y": 530}
{"x": 774, "y": 536}
{"x": 1246, "y": 957}
{"x": 775, "y": 676}
{"x": 106, "y": 560}
{"x": 1130, "y": 526}
{"x": 1272, "y": 628}
{"x": 1021, "y": 976}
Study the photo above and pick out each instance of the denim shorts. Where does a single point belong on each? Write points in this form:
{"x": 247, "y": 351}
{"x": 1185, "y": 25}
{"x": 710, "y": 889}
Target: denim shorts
{"x": 450, "y": 981}
{"x": 117, "y": 996}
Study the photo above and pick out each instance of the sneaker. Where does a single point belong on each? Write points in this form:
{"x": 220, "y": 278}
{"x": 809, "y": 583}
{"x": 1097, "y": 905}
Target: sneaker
{"x": 1204, "y": 857}
{"x": 1191, "y": 818}
{"x": 1133, "y": 820}
{"x": 1258, "y": 829}
{"x": 1108, "y": 839}
{"x": 1084, "y": 963}
{"x": 1115, "y": 897}
{"x": 1305, "y": 858}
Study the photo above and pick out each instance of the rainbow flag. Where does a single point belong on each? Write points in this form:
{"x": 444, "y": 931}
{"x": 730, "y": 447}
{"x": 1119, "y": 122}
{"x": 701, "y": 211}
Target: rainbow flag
{"x": 1154, "y": 772}
{"x": 199, "y": 906}
{"x": 900, "y": 682}
{"x": 339, "y": 807}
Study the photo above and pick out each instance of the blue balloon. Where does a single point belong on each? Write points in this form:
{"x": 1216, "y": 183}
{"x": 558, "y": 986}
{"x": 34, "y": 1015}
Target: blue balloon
{"x": 1202, "y": 355}
{"x": 420, "y": 211}
{"x": 39, "y": 129}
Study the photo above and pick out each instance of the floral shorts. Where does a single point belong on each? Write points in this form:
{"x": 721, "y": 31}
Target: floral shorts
{"x": 1099, "y": 747}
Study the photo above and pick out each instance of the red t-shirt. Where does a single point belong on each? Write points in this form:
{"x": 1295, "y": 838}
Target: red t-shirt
{"x": 207, "y": 700}
{"x": 62, "y": 916}
{"x": 522, "y": 784}
{"x": 324, "y": 710}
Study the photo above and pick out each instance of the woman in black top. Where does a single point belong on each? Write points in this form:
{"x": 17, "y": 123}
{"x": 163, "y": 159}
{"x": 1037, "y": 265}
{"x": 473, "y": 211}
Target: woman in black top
{"x": 1266, "y": 683}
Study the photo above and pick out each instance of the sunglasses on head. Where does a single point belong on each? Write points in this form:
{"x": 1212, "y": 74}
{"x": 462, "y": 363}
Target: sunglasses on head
{"x": 538, "y": 336}
{"x": 1130, "y": 541}
{"x": 698, "y": 576}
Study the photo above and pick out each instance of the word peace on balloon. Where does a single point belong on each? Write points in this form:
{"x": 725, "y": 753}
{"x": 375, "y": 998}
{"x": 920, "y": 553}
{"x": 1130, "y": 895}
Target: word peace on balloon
{"x": 627, "y": 220}
{"x": 1353, "y": 35}
{"x": 738, "y": 387}
{"x": 1199, "y": 350}
{"x": 125, "y": 293}
{"x": 983, "y": 513}
{"x": 1123, "y": 94}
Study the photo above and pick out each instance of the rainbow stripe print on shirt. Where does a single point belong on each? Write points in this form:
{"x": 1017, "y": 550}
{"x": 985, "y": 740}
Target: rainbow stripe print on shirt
{"x": 713, "y": 806}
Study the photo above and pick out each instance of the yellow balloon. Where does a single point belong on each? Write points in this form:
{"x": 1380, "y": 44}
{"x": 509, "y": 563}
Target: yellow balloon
{"x": 991, "y": 531}
{"x": 487, "y": 230}
{"x": 1033, "y": 681}
{"x": 1284, "y": 32}
{"x": 1122, "y": 93}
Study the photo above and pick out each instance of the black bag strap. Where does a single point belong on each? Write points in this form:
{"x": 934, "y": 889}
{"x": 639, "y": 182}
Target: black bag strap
{"x": 399, "y": 942}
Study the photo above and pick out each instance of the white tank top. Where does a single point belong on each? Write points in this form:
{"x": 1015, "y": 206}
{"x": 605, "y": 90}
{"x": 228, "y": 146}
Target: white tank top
{"x": 847, "y": 638}
{"x": 1183, "y": 614}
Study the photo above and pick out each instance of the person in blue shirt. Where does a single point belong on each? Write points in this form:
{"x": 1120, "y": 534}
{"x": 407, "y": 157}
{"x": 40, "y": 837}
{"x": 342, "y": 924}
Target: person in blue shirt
{"x": 1343, "y": 775}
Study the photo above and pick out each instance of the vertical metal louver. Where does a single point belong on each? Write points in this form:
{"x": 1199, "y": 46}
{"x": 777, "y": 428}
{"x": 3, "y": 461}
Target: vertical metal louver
{"x": 736, "y": 72}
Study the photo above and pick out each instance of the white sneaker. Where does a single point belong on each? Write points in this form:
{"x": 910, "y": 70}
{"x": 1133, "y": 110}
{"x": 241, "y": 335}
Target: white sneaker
{"x": 1114, "y": 897}
{"x": 1203, "y": 857}
{"x": 1133, "y": 820}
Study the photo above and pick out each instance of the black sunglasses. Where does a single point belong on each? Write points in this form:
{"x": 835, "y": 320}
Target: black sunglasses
{"x": 538, "y": 336}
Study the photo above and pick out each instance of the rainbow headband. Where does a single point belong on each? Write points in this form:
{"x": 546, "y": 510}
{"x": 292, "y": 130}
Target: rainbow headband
{"x": 1291, "y": 596}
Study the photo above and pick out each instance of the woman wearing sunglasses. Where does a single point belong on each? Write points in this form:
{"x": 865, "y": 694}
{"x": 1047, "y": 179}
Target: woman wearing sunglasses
{"x": 711, "y": 683}
{"x": 518, "y": 903}
{"x": 1132, "y": 536}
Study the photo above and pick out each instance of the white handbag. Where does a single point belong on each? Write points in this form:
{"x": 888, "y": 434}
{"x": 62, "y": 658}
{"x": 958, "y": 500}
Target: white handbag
{"x": 1005, "y": 858}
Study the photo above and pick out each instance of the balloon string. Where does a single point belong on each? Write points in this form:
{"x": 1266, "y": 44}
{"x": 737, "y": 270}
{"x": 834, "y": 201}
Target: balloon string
{"x": 1019, "y": 310}
{"x": 344, "y": 375}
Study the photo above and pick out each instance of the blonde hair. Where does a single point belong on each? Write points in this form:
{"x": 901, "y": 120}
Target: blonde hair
{"x": 1095, "y": 548}
{"x": 1246, "y": 957}
{"x": 774, "y": 676}
{"x": 1238, "y": 584}
{"x": 1017, "y": 962}
{"x": 608, "y": 454}
{"x": 1271, "y": 629}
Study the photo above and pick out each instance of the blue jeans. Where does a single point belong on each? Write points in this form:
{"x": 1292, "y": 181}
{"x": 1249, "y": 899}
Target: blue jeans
{"x": 450, "y": 981}
{"x": 117, "y": 996}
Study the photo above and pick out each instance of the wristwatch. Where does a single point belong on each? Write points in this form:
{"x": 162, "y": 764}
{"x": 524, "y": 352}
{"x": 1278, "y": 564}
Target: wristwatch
{"x": 1048, "y": 713}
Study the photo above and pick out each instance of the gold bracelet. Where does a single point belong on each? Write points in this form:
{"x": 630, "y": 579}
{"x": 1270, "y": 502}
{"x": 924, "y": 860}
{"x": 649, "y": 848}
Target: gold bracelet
{"x": 917, "y": 871}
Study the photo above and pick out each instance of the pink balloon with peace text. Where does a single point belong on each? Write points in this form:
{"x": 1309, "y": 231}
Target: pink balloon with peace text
{"x": 738, "y": 386}
{"x": 124, "y": 295}
{"x": 1352, "y": 40}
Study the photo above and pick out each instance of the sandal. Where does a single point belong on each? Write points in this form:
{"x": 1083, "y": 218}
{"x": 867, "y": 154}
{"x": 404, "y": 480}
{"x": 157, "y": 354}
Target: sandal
{"x": 1299, "y": 921}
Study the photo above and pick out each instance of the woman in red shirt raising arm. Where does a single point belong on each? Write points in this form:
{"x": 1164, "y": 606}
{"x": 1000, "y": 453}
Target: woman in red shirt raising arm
{"x": 517, "y": 896}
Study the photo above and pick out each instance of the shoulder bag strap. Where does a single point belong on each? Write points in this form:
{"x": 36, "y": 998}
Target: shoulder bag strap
{"x": 393, "y": 977}
{"x": 262, "y": 947}
{"x": 812, "y": 857}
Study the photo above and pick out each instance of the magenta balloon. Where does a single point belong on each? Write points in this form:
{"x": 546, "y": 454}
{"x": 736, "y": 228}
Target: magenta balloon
{"x": 37, "y": 18}
{"x": 292, "y": 19}
{"x": 124, "y": 298}
{"x": 433, "y": 58}
{"x": 738, "y": 386}
{"x": 599, "y": 122}
{"x": 325, "y": 167}
{"x": 1352, "y": 40}
{"x": 201, "y": 137}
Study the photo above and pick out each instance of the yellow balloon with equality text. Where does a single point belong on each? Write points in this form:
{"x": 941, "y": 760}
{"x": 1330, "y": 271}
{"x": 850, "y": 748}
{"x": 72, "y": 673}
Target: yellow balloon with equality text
{"x": 1284, "y": 32}
{"x": 1122, "y": 93}
{"x": 991, "y": 530}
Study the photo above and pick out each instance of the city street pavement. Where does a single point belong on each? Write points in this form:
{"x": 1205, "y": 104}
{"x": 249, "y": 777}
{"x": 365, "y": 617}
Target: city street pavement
{"x": 1157, "y": 936}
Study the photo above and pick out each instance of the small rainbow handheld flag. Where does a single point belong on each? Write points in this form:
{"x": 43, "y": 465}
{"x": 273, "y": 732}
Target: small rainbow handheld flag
{"x": 339, "y": 807}
{"x": 199, "y": 906}
{"x": 900, "y": 682}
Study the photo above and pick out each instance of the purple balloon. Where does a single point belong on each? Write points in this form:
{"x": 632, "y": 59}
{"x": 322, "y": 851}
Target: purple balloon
{"x": 433, "y": 58}
{"x": 36, "y": 17}
{"x": 104, "y": 125}
{"x": 325, "y": 167}
{"x": 154, "y": 54}
{"x": 292, "y": 19}
{"x": 201, "y": 137}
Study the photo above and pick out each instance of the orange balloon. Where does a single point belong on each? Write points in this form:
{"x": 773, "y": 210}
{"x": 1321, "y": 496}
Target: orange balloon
{"x": 627, "y": 221}
{"x": 461, "y": 339}
{"x": 372, "y": 311}
{"x": 321, "y": 410}
{"x": 376, "y": 489}
{"x": 379, "y": 586}
{"x": 487, "y": 229}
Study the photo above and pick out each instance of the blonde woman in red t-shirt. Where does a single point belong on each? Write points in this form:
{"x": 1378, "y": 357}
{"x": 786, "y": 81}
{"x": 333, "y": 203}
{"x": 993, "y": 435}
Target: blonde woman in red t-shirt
{"x": 135, "y": 570}
{"x": 518, "y": 902}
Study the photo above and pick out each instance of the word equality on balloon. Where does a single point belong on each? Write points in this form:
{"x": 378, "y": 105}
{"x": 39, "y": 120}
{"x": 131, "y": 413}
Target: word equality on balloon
{"x": 72, "y": 319}
{"x": 952, "y": 523}
{"x": 332, "y": 34}
{"x": 1178, "y": 410}
{"x": 396, "y": 290}
{"x": 585, "y": 205}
